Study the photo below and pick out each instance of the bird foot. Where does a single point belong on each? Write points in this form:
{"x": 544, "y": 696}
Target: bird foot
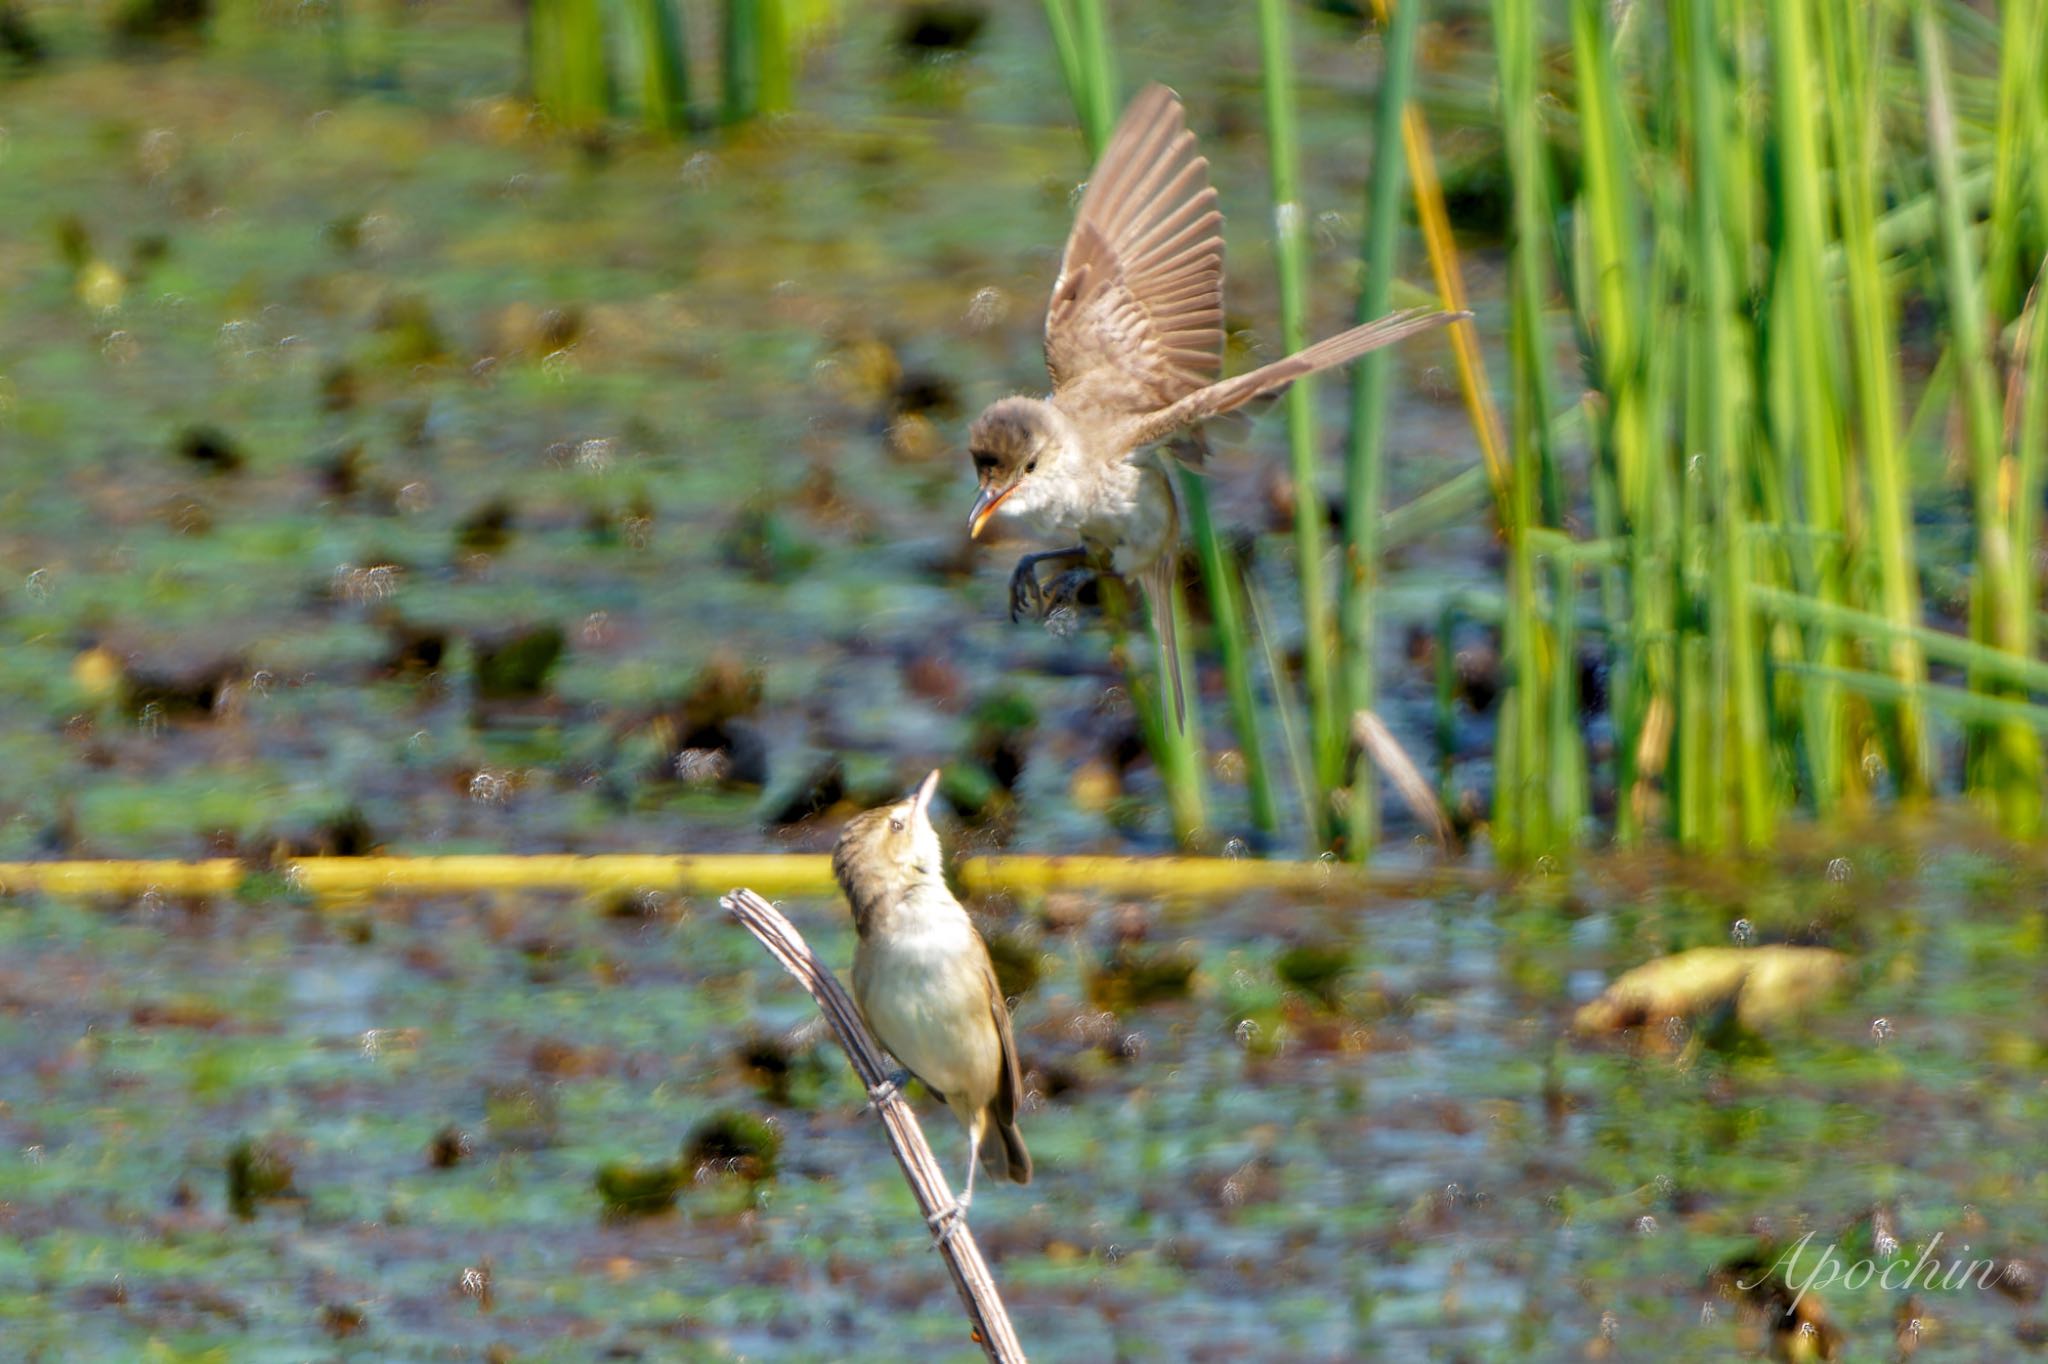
{"x": 890, "y": 1088}
{"x": 1064, "y": 592}
{"x": 1027, "y": 596}
{"x": 947, "y": 1221}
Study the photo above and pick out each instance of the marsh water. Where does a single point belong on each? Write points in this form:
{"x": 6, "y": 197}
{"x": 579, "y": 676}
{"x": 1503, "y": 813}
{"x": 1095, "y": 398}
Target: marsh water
{"x": 383, "y": 469}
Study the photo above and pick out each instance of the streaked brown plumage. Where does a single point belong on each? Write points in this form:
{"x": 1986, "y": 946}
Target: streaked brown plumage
{"x": 924, "y": 982}
{"x": 1134, "y": 343}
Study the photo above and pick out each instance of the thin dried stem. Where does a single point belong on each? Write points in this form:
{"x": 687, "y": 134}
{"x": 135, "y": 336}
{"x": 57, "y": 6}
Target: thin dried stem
{"x": 1386, "y": 753}
{"x": 985, "y": 1311}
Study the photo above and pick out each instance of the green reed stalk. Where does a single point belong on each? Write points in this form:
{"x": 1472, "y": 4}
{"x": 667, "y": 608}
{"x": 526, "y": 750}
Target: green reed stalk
{"x": 2020, "y": 183}
{"x": 1329, "y": 737}
{"x": 1805, "y": 380}
{"x": 585, "y": 79}
{"x": 778, "y": 54}
{"x": 1849, "y": 33}
{"x": 1973, "y": 707}
{"x": 1066, "y": 45}
{"x": 1719, "y": 701}
{"x": 1365, "y": 459}
{"x": 543, "y": 52}
{"x": 2007, "y": 770}
{"x": 2029, "y": 423}
{"x": 1085, "y": 69}
{"x": 1098, "y": 66}
{"x": 1520, "y": 825}
{"x": 2023, "y": 674}
{"x": 664, "y": 70}
{"x": 1233, "y": 641}
{"x": 1457, "y": 499}
{"x": 740, "y": 39}
{"x": 1539, "y": 790}
{"x": 1632, "y": 491}
{"x": 1293, "y": 742}
{"x": 2015, "y": 159}
{"x": 1176, "y": 748}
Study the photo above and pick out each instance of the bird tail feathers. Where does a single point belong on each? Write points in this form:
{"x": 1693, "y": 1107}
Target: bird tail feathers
{"x": 1005, "y": 1157}
{"x": 1346, "y": 346}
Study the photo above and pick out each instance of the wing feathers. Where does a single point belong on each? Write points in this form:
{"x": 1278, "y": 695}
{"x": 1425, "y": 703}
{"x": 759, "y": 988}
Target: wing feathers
{"x": 1134, "y": 333}
{"x": 1199, "y": 210}
{"x": 1009, "y": 1082}
{"x": 1135, "y": 173}
{"x": 1136, "y": 317}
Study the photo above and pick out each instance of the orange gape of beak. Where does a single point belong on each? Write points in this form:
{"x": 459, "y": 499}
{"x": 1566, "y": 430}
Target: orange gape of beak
{"x": 985, "y": 504}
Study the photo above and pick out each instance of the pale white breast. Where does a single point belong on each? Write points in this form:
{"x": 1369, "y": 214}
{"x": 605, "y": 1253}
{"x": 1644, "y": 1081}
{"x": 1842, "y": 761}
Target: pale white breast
{"x": 1132, "y": 517}
{"x": 921, "y": 990}
{"x": 1122, "y": 510}
{"x": 1058, "y": 502}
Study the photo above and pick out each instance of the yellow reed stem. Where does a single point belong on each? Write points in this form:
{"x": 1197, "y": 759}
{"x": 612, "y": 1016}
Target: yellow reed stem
{"x": 1450, "y": 286}
{"x": 767, "y": 873}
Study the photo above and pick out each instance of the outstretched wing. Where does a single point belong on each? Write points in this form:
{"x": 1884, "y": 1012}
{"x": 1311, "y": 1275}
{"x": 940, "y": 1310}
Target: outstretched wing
{"x": 1136, "y": 320}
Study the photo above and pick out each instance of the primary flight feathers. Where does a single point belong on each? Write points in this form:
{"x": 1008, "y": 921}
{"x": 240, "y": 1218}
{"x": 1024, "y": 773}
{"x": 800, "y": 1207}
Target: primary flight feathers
{"x": 1134, "y": 331}
{"x": 1134, "y": 341}
{"x": 1136, "y": 319}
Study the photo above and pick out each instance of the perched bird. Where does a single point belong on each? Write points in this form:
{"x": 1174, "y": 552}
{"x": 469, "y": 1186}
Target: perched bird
{"x": 1134, "y": 341}
{"x": 924, "y": 982}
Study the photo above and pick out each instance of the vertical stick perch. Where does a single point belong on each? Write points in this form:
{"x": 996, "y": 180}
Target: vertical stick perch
{"x": 985, "y": 1311}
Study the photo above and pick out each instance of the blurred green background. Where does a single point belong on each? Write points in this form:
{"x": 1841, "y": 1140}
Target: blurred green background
{"x": 387, "y": 461}
{"x": 390, "y": 468}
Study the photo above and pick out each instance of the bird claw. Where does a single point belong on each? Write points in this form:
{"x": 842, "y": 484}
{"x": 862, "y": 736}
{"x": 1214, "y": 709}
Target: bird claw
{"x": 890, "y": 1088}
{"x": 947, "y": 1221}
{"x": 1026, "y": 596}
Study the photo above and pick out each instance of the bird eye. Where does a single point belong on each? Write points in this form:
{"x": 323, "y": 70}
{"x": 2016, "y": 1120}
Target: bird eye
{"x": 1032, "y": 467}
{"x": 897, "y": 825}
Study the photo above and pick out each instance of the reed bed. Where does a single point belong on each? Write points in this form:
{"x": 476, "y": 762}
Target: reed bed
{"x": 1733, "y": 509}
{"x": 1736, "y": 289}
{"x": 1723, "y": 510}
{"x": 589, "y": 61}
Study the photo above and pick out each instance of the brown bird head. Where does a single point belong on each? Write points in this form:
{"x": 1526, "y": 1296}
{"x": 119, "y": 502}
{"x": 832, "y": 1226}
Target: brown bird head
{"x": 884, "y": 850}
{"x": 1007, "y": 441}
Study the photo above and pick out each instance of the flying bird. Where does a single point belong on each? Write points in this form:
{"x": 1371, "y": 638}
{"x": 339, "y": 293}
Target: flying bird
{"x": 1134, "y": 343}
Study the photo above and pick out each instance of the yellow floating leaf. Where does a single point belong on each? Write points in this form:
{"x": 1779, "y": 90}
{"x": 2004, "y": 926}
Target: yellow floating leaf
{"x": 1766, "y": 983}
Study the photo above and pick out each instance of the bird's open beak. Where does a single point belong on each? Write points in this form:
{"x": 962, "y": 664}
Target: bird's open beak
{"x": 985, "y": 503}
{"x": 921, "y": 806}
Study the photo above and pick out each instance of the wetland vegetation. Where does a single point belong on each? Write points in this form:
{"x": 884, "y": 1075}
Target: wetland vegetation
{"x": 459, "y": 426}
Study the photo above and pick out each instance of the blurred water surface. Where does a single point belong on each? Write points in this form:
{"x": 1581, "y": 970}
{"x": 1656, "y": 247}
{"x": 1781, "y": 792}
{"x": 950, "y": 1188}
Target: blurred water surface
{"x": 381, "y": 469}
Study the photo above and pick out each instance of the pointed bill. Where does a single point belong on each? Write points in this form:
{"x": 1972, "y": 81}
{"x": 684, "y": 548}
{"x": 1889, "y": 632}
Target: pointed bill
{"x": 921, "y": 805}
{"x": 985, "y": 503}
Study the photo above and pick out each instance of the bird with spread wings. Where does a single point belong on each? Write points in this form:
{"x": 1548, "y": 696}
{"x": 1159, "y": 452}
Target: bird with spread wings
{"x": 1134, "y": 343}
